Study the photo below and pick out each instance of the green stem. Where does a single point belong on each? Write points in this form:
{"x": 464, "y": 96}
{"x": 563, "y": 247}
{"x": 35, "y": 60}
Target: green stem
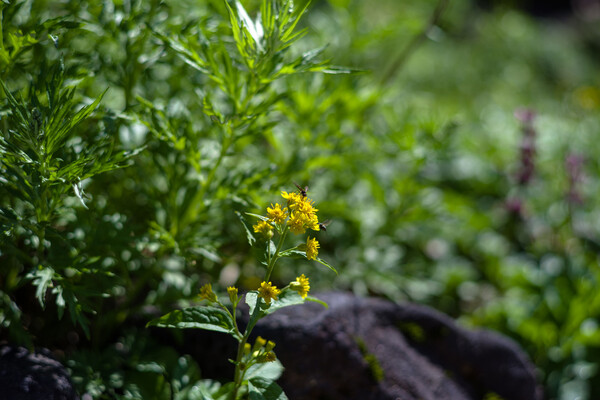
{"x": 275, "y": 256}
{"x": 415, "y": 42}
{"x": 239, "y": 373}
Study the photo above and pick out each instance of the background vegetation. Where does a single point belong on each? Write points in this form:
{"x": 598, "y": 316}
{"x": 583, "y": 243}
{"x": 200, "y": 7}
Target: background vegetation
{"x": 458, "y": 167}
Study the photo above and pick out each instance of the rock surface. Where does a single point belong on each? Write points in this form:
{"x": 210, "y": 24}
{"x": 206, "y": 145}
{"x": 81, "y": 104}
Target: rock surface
{"x": 33, "y": 376}
{"x": 365, "y": 348}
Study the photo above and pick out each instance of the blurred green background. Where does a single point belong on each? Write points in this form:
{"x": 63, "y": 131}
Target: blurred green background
{"x": 458, "y": 165}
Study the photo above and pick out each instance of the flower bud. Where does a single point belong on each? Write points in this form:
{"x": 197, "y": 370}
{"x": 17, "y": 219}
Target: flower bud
{"x": 233, "y": 294}
{"x": 206, "y": 293}
{"x": 259, "y": 343}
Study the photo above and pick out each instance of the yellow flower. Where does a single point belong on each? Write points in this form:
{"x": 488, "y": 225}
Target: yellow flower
{"x": 233, "y": 294}
{"x": 313, "y": 223}
{"x": 301, "y": 285}
{"x": 264, "y": 228}
{"x": 206, "y": 293}
{"x": 296, "y": 223}
{"x": 305, "y": 206}
{"x": 292, "y": 197}
{"x": 268, "y": 292}
{"x": 312, "y": 248}
{"x": 276, "y": 214}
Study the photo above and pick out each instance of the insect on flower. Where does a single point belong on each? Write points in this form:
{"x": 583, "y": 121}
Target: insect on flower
{"x": 323, "y": 225}
{"x": 302, "y": 190}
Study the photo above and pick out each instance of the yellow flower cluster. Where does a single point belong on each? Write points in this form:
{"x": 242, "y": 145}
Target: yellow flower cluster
{"x": 299, "y": 215}
{"x": 303, "y": 214}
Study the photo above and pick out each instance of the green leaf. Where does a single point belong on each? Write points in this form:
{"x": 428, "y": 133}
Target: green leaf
{"x": 79, "y": 193}
{"x": 262, "y": 217}
{"x": 216, "y": 391}
{"x": 270, "y": 370}
{"x": 265, "y": 389}
{"x": 321, "y": 261}
{"x": 287, "y": 35}
{"x": 249, "y": 235}
{"x": 286, "y": 298}
{"x": 315, "y": 300}
{"x": 255, "y": 30}
{"x": 185, "y": 52}
{"x": 65, "y": 295}
{"x": 201, "y": 317}
{"x": 42, "y": 279}
{"x": 60, "y": 127}
{"x": 295, "y": 252}
{"x": 237, "y": 31}
{"x": 251, "y": 299}
{"x": 336, "y": 70}
{"x": 207, "y": 388}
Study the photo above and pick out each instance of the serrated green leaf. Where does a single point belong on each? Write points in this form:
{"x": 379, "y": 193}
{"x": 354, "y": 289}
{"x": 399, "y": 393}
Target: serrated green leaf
{"x": 254, "y": 29}
{"x": 61, "y": 126}
{"x": 185, "y": 52}
{"x": 236, "y": 30}
{"x": 41, "y": 279}
{"x": 200, "y": 317}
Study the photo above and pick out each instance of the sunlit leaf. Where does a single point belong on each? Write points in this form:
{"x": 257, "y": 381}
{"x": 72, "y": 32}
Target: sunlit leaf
{"x": 200, "y": 317}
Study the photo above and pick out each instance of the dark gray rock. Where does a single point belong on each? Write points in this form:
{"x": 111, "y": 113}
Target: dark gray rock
{"x": 365, "y": 348}
{"x": 33, "y": 376}
{"x": 373, "y": 349}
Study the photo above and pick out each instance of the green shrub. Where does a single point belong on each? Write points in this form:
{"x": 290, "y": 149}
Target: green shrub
{"x": 133, "y": 131}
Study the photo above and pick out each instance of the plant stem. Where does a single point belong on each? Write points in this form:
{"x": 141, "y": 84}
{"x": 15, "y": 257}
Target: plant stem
{"x": 239, "y": 374}
{"x": 273, "y": 260}
{"x": 415, "y": 42}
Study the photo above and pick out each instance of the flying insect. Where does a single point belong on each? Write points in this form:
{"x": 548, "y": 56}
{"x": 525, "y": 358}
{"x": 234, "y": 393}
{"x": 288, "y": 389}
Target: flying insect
{"x": 301, "y": 189}
{"x": 323, "y": 225}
